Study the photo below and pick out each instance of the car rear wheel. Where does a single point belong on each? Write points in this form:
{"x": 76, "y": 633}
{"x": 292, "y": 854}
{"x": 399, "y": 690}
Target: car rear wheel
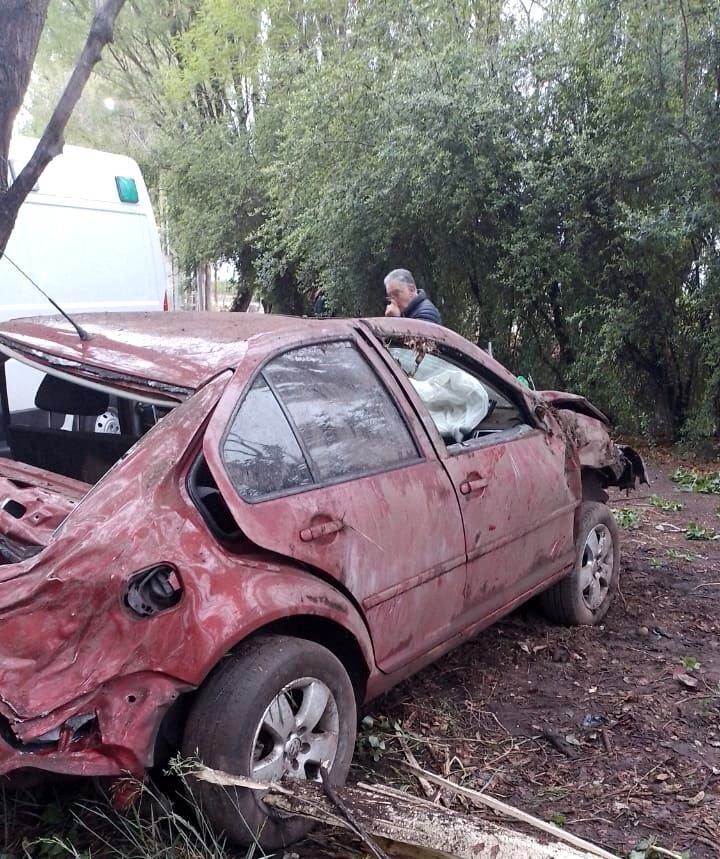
{"x": 585, "y": 594}
{"x": 281, "y": 707}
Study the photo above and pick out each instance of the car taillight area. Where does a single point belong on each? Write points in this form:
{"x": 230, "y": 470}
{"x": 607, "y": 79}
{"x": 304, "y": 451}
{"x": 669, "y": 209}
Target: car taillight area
{"x": 74, "y": 734}
{"x": 110, "y": 732}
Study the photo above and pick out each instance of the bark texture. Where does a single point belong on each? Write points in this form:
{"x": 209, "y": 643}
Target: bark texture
{"x": 21, "y": 23}
{"x": 402, "y": 825}
{"x": 52, "y": 141}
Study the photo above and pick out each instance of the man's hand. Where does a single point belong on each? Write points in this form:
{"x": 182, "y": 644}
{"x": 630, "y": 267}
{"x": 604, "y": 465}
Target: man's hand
{"x": 392, "y": 309}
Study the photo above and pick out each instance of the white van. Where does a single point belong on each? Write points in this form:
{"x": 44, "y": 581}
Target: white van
{"x": 87, "y": 236}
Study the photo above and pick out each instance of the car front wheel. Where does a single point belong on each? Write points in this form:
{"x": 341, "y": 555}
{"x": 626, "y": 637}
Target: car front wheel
{"x": 585, "y": 594}
{"x": 281, "y": 707}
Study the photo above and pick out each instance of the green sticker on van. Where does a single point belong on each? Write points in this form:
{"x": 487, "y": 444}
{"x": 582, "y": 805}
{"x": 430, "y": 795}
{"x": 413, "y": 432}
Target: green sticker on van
{"x": 127, "y": 189}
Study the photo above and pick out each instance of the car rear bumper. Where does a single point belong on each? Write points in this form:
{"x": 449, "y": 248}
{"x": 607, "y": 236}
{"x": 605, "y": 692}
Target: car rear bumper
{"x": 110, "y": 732}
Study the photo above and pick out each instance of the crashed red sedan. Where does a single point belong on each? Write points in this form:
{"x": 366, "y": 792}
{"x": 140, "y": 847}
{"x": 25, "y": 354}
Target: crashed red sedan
{"x": 249, "y": 525}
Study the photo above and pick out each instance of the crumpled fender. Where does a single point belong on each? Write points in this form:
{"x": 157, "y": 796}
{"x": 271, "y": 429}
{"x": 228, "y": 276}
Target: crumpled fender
{"x": 573, "y": 403}
{"x": 590, "y": 445}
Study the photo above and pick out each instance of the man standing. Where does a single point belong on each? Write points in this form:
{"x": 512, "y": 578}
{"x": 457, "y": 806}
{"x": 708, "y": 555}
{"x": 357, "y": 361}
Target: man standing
{"x": 404, "y": 298}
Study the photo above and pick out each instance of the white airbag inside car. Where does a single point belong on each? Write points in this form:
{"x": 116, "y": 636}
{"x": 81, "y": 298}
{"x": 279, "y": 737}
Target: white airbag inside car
{"x": 456, "y": 401}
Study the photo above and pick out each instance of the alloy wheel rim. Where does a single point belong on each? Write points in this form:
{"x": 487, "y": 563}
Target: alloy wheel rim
{"x": 299, "y": 732}
{"x": 597, "y": 566}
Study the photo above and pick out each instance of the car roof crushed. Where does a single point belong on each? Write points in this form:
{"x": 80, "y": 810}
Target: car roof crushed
{"x": 171, "y": 354}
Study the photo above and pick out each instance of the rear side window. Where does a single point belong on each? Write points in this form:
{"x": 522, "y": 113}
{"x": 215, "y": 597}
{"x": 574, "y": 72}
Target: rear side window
{"x": 315, "y": 415}
{"x": 343, "y": 415}
{"x": 260, "y": 452}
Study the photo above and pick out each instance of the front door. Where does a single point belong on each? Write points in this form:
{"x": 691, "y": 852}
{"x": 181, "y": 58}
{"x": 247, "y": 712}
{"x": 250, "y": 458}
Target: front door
{"x": 319, "y": 463}
{"x": 518, "y": 513}
{"x": 509, "y": 476}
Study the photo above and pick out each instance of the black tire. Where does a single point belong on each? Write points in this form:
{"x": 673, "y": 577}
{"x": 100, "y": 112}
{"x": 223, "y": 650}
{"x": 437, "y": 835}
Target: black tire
{"x": 585, "y": 594}
{"x": 228, "y": 730}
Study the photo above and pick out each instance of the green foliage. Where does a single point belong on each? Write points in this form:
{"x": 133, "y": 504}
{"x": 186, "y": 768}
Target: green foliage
{"x": 676, "y": 555}
{"x": 693, "y": 531}
{"x": 123, "y": 105}
{"x": 370, "y": 741}
{"x": 551, "y": 180}
{"x": 628, "y": 518}
{"x": 76, "y": 828}
{"x": 691, "y": 480}
{"x": 665, "y": 504}
{"x": 690, "y": 663}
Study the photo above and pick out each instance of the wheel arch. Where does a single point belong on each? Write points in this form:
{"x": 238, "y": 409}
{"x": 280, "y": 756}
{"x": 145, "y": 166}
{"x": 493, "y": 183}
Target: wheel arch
{"x": 320, "y": 629}
{"x": 330, "y": 634}
{"x": 594, "y": 481}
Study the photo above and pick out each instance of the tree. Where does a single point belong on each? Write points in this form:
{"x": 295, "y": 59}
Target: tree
{"x": 21, "y": 23}
{"x": 552, "y": 179}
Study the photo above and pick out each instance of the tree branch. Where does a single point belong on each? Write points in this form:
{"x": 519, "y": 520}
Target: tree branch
{"x": 52, "y": 141}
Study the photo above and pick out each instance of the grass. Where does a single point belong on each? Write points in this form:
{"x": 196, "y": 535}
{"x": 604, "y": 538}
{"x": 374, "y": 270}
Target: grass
{"x": 677, "y": 555}
{"x": 665, "y": 504}
{"x": 691, "y": 480}
{"x": 628, "y": 518}
{"x": 693, "y": 531}
{"x": 73, "y": 824}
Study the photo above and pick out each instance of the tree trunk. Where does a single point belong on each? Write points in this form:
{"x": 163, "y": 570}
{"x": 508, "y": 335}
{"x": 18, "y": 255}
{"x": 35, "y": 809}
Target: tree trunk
{"x": 199, "y": 283}
{"x": 207, "y": 280}
{"x": 21, "y": 23}
{"x": 52, "y": 141}
{"x": 241, "y": 301}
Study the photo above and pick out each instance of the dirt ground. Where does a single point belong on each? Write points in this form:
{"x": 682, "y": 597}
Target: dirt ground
{"x": 612, "y": 732}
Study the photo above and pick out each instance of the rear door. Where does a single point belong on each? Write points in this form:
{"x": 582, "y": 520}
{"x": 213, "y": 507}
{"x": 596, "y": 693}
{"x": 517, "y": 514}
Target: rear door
{"x": 318, "y": 463}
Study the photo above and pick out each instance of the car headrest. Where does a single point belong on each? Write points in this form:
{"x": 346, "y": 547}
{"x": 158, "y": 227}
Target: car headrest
{"x": 68, "y": 398}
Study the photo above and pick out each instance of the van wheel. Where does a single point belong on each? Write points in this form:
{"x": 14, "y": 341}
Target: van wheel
{"x": 585, "y": 594}
{"x": 281, "y": 707}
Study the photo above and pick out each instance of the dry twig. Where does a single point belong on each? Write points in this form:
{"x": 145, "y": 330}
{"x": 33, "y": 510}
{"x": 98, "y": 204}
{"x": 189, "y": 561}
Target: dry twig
{"x": 412, "y": 760}
{"x": 355, "y": 824}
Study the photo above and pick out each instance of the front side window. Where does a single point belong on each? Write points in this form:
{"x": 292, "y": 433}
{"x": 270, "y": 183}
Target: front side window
{"x": 461, "y": 404}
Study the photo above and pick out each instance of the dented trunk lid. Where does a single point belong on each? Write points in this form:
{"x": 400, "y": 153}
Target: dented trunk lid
{"x": 33, "y": 503}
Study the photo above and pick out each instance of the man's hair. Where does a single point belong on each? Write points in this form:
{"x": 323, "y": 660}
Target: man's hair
{"x": 401, "y": 274}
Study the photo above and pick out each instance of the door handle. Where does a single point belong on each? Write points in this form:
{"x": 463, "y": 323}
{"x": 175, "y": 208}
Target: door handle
{"x": 474, "y": 484}
{"x": 322, "y": 530}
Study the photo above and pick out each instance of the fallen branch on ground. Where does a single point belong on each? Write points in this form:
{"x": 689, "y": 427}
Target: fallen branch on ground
{"x": 561, "y": 745}
{"x": 417, "y": 827}
{"x": 517, "y": 814}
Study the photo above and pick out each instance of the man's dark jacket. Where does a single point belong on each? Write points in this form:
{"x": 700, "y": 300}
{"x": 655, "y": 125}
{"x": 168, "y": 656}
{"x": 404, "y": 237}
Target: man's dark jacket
{"x": 422, "y": 308}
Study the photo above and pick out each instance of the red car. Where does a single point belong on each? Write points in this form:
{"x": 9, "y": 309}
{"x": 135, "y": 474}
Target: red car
{"x": 224, "y": 532}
